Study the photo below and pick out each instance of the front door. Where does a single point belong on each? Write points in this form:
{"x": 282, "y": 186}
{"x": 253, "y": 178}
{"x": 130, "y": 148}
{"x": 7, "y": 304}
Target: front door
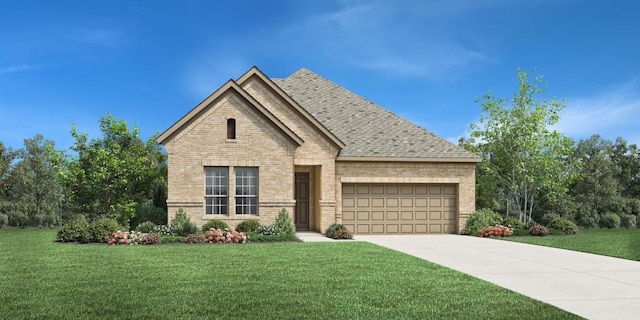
{"x": 302, "y": 201}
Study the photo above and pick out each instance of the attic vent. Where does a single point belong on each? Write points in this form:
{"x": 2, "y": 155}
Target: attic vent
{"x": 231, "y": 129}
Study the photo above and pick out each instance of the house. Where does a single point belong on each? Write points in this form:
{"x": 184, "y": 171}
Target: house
{"x": 303, "y": 143}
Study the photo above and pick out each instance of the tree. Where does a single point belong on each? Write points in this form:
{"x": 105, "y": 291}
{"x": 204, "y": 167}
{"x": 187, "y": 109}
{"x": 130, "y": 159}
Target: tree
{"x": 527, "y": 159}
{"x": 6, "y": 159}
{"x": 34, "y": 191}
{"x": 110, "y": 176}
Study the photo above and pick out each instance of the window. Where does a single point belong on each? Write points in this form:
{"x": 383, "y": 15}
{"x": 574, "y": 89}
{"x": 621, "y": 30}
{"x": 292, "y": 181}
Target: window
{"x": 246, "y": 190}
{"x": 216, "y": 194}
{"x": 231, "y": 129}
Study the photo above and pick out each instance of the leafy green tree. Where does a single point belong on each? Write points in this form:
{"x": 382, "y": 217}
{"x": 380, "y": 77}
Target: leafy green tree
{"x": 627, "y": 158}
{"x": 110, "y": 176}
{"x": 6, "y": 158}
{"x": 34, "y": 190}
{"x": 524, "y": 156}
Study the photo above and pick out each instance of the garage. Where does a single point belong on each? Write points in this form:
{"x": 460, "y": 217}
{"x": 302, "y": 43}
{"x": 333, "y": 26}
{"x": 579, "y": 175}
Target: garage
{"x": 399, "y": 208}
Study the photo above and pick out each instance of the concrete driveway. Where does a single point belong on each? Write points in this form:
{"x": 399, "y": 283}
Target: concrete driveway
{"x": 591, "y": 286}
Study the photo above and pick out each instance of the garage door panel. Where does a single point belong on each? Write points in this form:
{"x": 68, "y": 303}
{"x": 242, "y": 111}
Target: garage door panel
{"x": 348, "y": 215}
{"x": 391, "y": 228}
{"x": 399, "y": 209}
{"x": 377, "y": 228}
{"x": 406, "y": 228}
{"x": 377, "y": 215}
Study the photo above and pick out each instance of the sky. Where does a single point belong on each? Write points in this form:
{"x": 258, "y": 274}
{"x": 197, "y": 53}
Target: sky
{"x": 149, "y": 62}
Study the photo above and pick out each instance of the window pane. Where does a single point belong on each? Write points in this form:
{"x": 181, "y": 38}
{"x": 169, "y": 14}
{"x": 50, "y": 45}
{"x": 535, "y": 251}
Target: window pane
{"x": 246, "y": 190}
{"x": 216, "y": 179}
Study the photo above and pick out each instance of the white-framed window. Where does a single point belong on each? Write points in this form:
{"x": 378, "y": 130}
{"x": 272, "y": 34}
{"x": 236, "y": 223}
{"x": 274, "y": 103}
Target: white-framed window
{"x": 216, "y": 190}
{"x": 246, "y": 190}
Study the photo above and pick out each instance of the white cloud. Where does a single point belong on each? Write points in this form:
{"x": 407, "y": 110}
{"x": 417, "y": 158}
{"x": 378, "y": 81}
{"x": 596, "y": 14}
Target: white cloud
{"x": 15, "y": 69}
{"x": 393, "y": 38}
{"x": 613, "y": 113}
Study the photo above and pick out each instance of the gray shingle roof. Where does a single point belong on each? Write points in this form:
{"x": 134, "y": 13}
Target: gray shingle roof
{"x": 367, "y": 129}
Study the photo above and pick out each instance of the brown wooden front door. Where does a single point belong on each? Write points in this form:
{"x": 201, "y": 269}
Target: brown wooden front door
{"x": 302, "y": 201}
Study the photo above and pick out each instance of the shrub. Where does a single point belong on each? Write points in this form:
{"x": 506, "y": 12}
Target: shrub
{"x": 343, "y": 233}
{"x": 480, "y": 219}
{"x": 564, "y": 225}
{"x": 530, "y": 224}
{"x": 194, "y": 238}
{"x": 495, "y": 231}
{"x": 147, "y": 211}
{"x": 124, "y": 237}
{"x": 555, "y": 232}
{"x": 224, "y": 236}
{"x": 249, "y": 225}
{"x": 332, "y": 229}
{"x": 49, "y": 221}
{"x": 538, "y": 230}
{"x": 270, "y": 230}
{"x": 628, "y": 221}
{"x": 546, "y": 219}
{"x": 163, "y": 230}
{"x": 284, "y": 222}
{"x": 215, "y": 224}
{"x": 18, "y": 219}
{"x": 74, "y": 231}
{"x": 182, "y": 225}
{"x": 512, "y": 222}
{"x": 4, "y": 220}
{"x": 256, "y": 237}
{"x": 146, "y": 227}
{"x": 150, "y": 238}
{"x": 101, "y": 230}
{"x": 609, "y": 220}
{"x": 519, "y": 232}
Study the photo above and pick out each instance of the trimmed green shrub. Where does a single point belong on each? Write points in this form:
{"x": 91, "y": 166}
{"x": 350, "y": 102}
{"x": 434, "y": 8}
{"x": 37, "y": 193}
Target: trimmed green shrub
{"x": 480, "y": 219}
{"x": 284, "y": 222}
{"x": 538, "y": 230}
{"x": 249, "y": 225}
{"x": 146, "y": 227}
{"x": 4, "y": 220}
{"x": 332, "y": 229}
{"x": 101, "y": 230}
{"x": 512, "y": 222}
{"x": 628, "y": 221}
{"x": 564, "y": 225}
{"x": 555, "y": 232}
{"x": 150, "y": 238}
{"x": 182, "y": 225}
{"x": 609, "y": 220}
{"x": 74, "y": 231}
{"x": 215, "y": 224}
{"x": 256, "y": 237}
{"x": 343, "y": 233}
{"x": 520, "y": 232}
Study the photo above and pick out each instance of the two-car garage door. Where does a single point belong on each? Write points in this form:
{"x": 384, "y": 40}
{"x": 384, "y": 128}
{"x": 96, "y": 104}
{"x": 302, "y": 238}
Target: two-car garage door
{"x": 399, "y": 208}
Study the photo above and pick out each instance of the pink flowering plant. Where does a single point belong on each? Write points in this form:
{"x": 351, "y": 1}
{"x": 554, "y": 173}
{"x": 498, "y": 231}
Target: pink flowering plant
{"x": 224, "y": 236}
{"x": 495, "y": 231}
{"x": 124, "y": 237}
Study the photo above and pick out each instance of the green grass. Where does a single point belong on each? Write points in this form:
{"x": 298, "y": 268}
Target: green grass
{"x": 620, "y": 243}
{"x": 40, "y": 279}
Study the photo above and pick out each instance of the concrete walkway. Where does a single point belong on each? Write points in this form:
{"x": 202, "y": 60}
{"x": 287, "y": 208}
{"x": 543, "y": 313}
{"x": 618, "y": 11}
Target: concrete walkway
{"x": 591, "y": 286}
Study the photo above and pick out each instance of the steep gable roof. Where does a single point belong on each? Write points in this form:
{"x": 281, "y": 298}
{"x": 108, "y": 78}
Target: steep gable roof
{"x": 368, "y": 130}
{"x": 230, "y": 86}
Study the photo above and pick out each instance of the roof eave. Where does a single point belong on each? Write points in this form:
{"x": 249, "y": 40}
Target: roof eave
{"x": 254, "y": 71}
{"x": 407, "y": 159}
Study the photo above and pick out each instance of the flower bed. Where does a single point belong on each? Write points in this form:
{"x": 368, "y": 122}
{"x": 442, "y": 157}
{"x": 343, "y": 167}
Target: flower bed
{"x": 495, "y": 231}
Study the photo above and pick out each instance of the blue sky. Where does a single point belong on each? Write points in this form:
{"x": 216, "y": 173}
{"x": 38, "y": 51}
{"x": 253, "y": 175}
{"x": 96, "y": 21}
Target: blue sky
{"x": 149, "y": 61}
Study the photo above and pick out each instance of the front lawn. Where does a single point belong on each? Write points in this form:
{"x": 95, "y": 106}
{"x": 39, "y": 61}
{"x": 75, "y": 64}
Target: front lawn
{"x": 40, "y": 279}
{"x": 620, "y": 243}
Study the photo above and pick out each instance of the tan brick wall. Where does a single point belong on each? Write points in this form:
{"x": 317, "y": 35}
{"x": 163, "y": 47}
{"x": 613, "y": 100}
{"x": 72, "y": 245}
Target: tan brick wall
{"x": 203, "y": 142}
{"x": 461, "y": 174}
